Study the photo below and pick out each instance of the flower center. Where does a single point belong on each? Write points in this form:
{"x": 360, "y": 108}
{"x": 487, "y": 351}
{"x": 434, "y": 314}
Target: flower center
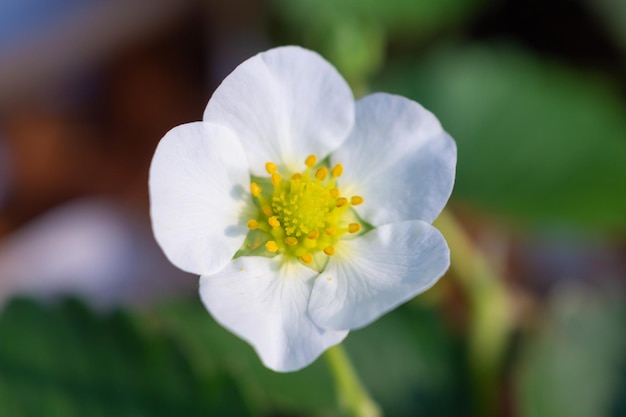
{"x": 305, "y": 214}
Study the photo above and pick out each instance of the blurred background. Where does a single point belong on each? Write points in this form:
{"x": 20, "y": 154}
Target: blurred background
{"x": 529, "y": 321}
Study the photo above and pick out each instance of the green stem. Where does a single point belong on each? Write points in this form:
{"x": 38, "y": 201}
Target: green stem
{"x": 492, "y": 319}
{"x": 352, "y": 396}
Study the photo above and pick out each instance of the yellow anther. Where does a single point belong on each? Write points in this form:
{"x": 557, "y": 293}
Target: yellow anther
{"x": 356, "y": 200}
{"x": 276, "y": 178}
{"x": 271, "y": 246}
{"x": 321, "y": 173}
{"x": 337, "y": 170}
{"x": 273, "y": 221}
{"x": 270, "y": 167}
{"x": 310, "y": 161}
{"x": 255, "y": 189}
{"x": 304, "y": 214}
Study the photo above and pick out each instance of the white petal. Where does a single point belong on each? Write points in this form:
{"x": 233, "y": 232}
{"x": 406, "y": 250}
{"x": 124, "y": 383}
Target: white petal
{"x": 374, "y": 273}
{"x": 284, "y": 104}
{"x": 264, "y": 301}
{"x": 399, "y": 159}
{"x": 198, "y": 196}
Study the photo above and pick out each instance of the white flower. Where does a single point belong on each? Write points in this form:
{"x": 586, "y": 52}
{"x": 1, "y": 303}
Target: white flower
{"x": 305, "y": 214}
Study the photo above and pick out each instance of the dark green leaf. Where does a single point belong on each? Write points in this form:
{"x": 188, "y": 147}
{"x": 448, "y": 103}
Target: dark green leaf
{"x": 65, "y": 361}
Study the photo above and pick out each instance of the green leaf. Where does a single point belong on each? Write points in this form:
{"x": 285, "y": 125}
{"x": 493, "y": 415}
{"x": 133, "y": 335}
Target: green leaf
{"x": 572, "y": 365}
{"x": 536, "y": 140}
{"x": 65, "y": 361}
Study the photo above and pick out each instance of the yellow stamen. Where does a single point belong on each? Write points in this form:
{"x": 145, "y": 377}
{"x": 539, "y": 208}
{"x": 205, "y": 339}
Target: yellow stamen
{"x": 255, "y": 189}
{"x": 356, "y": 200}
{"x": 337, "y": 170}
{"x": 310, "y": 161}
{"x": 305, "y": 215}
{"x": 271, "y": 246}
{"x": 321, "y": 173}
{"x": 271, "y": 167}
{"x": 273, "y": 221}
{"x": 307, "y": 258}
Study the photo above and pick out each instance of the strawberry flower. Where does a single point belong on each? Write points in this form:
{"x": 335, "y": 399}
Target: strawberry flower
{"x": 305, "y": 214}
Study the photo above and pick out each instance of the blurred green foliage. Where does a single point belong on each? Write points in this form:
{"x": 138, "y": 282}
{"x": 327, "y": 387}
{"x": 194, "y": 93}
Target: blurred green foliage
{"x": 65, "y": 361}
{"x": 408, "y": 361}
{"x": 572, "y": 365}
{"x": 175, "y": 360}
{"x": 352, "y": 34}
{"x": 536, "y": 140}
{"x": 398, "y": 18}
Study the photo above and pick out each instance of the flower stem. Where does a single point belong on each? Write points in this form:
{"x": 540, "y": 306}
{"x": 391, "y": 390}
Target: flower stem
{"x": 491, "y": 314}
{"x": 352, "y": 396}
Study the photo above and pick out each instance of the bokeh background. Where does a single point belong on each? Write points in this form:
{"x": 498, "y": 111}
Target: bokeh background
{"x": 530, "y": 320}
